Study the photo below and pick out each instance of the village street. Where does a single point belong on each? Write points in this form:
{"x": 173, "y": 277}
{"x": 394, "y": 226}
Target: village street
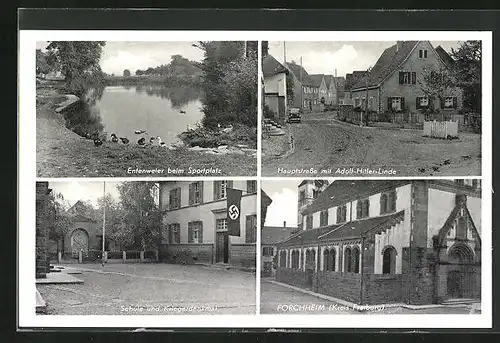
{"x": 323, "y": 143}
{"x": 277, "y": 299}
{"x": 164, "y": 289}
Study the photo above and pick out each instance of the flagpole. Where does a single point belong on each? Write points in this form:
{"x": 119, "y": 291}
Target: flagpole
{"x": 104, "y": 224}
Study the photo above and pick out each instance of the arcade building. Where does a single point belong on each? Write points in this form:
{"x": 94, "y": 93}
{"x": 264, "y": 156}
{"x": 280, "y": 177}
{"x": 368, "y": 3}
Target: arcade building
{"x": 388, "y": 241}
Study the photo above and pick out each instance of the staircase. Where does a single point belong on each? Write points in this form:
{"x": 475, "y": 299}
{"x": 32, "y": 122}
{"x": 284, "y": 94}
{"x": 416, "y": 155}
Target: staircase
{"x": 272, "y": 128}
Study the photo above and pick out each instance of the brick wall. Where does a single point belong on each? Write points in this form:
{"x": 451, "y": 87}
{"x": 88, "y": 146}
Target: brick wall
{"x": 344, "y": 286}
{"x": 243, "y": 255}
{"x": 382, "y": 289}
{"x": 292, "y": 277}
{"x": 42, "y": 229}
{"x": 187, "y": 253}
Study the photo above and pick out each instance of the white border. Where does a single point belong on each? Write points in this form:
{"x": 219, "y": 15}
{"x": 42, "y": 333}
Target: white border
{"x": 27, "y": 177}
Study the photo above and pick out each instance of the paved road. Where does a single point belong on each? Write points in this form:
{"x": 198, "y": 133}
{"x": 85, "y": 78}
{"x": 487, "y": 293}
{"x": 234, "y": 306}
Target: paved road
{"x": 325, "y": 144}
{"x": 153, "y": 289}
{"x": 277, "y": 299}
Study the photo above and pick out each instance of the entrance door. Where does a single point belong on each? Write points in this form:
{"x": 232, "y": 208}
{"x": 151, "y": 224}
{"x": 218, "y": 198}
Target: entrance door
{"x": 79, "y": 242}
{"x": 454, "y": 284}
{"x": 281, "y": 109}
{"x": 222, "y": 247}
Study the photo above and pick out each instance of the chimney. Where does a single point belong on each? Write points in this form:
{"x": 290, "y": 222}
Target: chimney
{"x": 399, "y": 45}
{"x": 284, "y": 223}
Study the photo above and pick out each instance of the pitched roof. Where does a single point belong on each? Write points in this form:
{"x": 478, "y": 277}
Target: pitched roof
{"x": 329, "y": 79}
{"x": 317, "y": 79}
{"x": 80, "y": 218}
{"x": 387, "y": 63}
{"x": 265, "y": 199}
{"x": 274, "y": 234}
{"x": 342, "y": 191}
{"x": 271, "y": 66}
{"x": 295, "y": 69}
{"x": 308, "y": 236}
{"x": 353, "y": 78}
{"x": 357, "y": 228}
{"x": 447, "y": 59}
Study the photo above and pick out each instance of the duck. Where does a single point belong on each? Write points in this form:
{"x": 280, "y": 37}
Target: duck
{"x": 160, "y": 141}
{"x": 97, "y": 142}
{"x": 141, "y": 141}
{"x": 124, "y": 140}
{"x": 87, "y": 135}
{"x": 138, "y": 132}
{"x": 151, "y": 140}
{"x": 114, "y": 139}
{"x": 182, "y": 112}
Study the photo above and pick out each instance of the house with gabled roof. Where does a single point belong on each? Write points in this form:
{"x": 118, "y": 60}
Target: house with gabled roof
{"x": 389, "y": 241}
{"x": 394, "y": 84}
{"x": 275, "y": 97}
{"x": 305, "y": 89}
{"x": 270, "y": 237}
{"x": 320, "y": 81}
{"x": 351, "y": 79}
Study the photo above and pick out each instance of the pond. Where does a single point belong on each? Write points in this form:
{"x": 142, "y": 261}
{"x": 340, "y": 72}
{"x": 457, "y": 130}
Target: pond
{"x": 156, "y": 110}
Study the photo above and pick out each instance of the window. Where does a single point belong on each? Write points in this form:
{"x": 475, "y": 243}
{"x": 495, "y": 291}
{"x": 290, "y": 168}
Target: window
{"x": 461, "y": 228}
{"x": 460, "y": 182}
{"x": 449, "y": 102}
{"x": 305, "y": 103}
{"x": 267, "y": 251}
{"x": 341, "y": 214}
{"x": 396, "y": 103}
{"x": 365, "y": 210}
{"x": 323, "y": 218}
{"x": 359, "y": 209}
{"x": 310, "y": 259}
{"x": 252, "y": 186}
{"x": 174, "y": 199}
{"x": 355, "y": 260}
{"x": 195, "y": 232}
{"x": 347, "y": 260}
{"x": 389, "y": 260}
{"x": 424, "y": 101}
{"x": 388, "y": 202}
{"x": 283, "y": 259}
{"x": 422, "y": 53}
{"x": 356, "y": 102}
{"x": 329, "y": 260}
{"x": 251, "y": 229}
{"x": 309, "y": 222}
{"x": 302, "y": 198}
{"x": 221, "y": 224}
{"x": 407, "y": 77}
{"x": 196, "y": 193}
{"x": 220, "y": 189}
{"x": 295, "y": 259}
{"x": 315, "y": 193}
{"x": 174, "y": 233}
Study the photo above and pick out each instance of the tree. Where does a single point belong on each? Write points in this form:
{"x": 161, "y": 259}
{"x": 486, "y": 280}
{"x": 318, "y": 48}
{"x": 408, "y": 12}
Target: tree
{"x": 42, "y": 67}
{"x": 289, "y": 87}
{"x": 437, "y": 84}
{"x": 126, "y": 73}
{"x": 138, "y": 72}
{"x": 116, "y": 228}
{"x": 142, "y": 213}
{"x": 60, "y": 220}
{"x": 467, "y": 73}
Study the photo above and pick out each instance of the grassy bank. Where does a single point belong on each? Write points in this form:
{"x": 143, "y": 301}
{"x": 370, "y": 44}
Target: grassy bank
{"x": 209, "y": 138}
{"x": 62, "y": 153}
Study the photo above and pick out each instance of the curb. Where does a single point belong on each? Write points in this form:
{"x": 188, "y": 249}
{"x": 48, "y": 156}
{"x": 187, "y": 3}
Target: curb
{"x": 364, "y": 308}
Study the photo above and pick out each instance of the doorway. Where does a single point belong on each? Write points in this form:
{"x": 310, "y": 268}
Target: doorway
{"x": 222, "y": 247}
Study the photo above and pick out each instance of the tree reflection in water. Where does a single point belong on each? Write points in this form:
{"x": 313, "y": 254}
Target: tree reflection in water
{"x": 178, "y": 96}
{"x": 84, "y": 117}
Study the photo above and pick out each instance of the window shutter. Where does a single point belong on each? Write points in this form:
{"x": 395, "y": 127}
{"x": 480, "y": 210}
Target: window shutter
{"x": 170, "y": 234}
{"x": 229, "y": 184}
{"x": 413, "y": 77}
{"x": 179, "y": 198}
{"x": 216, "y": 190}
{"x": 191, "y": 193}
{"x": 190, "y": 233}
{"x": 455, "y": 102}
{"x": 389, "y": 103}
{"x": 418, "y": 102}
{"x": 401, "y": 77}
{"x": 442, "y": 102}
{"x": 402, "y": 103}
{"x": 200, "y": 230}
{"x": 201, "y": 191}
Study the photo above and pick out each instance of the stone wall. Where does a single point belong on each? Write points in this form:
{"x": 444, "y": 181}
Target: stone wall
{"x": 344, "y": 286}
{"x": 382, "y": 289}
{"x": 292, "y": 277}
{"x": 243, "y": 255}
{"x": 187, "y": 253}
{"x": 42, "y": 229}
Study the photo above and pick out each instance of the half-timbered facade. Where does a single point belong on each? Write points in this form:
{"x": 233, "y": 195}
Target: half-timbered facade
{"x": 389, "y": 241}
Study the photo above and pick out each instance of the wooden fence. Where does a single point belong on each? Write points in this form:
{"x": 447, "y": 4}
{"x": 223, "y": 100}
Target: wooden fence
{"x": 444, "y": 129}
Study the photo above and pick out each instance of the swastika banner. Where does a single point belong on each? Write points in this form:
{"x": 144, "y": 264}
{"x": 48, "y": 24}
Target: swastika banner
{"x": 233, "y": 211}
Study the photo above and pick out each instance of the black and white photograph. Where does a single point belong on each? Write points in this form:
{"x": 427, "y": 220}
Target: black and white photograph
{"x": 146, "y": 248}
{"x": 371, "y": 108}
{"x": 371, "y": 246}
{"x": 131, "y": 108}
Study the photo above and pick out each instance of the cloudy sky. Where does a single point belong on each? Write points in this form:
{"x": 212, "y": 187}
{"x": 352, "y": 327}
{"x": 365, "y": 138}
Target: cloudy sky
{"x": 325, "y": 57}
{"x": 284, "y": 205}
{"x": 118, "y": 56}
{"x": 85, "y": 191}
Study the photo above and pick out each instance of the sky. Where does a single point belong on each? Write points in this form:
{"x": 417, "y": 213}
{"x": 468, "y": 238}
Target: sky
{"x": 284, "y": 205}
{"x": 325, "y": 57}
{"x": 73, "y": 191}
{"x": 118, "y": 56}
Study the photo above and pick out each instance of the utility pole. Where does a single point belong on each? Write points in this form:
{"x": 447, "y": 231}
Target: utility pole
{"x": 284, "y": 52}
{"x": 104, "y": 225}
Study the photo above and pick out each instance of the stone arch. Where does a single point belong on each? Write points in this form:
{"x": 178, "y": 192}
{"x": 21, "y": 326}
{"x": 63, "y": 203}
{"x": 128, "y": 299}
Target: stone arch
{"x": 460, "y": 276}
{"x": 79, "y": 241}
{"x": 389, "y": 254}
